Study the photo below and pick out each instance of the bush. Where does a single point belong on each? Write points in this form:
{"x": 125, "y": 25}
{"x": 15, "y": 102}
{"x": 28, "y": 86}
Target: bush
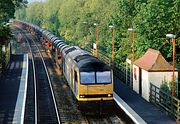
{"x": 167, "y": 87}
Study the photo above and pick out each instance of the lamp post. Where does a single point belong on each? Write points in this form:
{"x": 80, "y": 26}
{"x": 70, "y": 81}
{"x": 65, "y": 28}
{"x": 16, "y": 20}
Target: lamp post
{"x": 86, "y": 42}
{"x": 172, "y": 36}
{"x": 132, "y": 38}
{"x": 132, "y": 56}
{"x": 95, "y": 24}
{"x": 112, "y": 27}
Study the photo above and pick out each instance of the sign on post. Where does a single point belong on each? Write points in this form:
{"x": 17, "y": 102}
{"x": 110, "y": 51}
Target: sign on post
{"x": 94, "y": 46}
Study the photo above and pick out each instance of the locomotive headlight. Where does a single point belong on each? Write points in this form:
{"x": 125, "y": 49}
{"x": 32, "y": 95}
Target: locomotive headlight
{"x": 81, "y": 96}
{"x": 109, "y": 95}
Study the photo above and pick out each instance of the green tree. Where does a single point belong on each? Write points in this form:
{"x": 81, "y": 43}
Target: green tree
{"x": 167, "y": 87}
{"x": 153, "y": 21}
{"x": 35, "y": 13}
{"x": 7, "y": 10}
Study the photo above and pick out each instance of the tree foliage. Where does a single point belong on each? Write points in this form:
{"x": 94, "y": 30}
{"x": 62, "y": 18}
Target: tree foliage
{"x": 152, "y": 19}
{"x": 167, "y": 87}
{"x": 7, "y": 10}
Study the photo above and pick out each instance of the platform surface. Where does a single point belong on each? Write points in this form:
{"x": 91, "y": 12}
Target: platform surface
{"x": 148, "y": 112}
{"x": 13, "y": 87}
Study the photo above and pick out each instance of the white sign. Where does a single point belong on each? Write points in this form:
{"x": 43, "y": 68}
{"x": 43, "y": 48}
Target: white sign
{"x": 94, "y": 45}
{"x": 128, "y": 61}
{"x": 3, "y": 49}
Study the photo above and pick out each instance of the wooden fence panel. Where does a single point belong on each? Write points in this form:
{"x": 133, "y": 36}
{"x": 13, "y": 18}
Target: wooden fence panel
{"x": 165, "y": 101}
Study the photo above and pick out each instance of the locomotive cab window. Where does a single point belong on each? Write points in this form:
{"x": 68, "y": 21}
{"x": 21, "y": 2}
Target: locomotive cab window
{"x": 95, "y": 77}
{"x": 87, "y": 77}
{"x": 103, "y": 77}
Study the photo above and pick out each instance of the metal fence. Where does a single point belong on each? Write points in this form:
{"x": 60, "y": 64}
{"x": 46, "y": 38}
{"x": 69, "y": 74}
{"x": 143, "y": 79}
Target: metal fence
{"x": 166, "y": 101}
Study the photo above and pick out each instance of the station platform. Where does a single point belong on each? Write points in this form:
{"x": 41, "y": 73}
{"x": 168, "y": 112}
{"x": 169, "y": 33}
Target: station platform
{"x": 13, "y": 87}
{"x": 137, "y": 108}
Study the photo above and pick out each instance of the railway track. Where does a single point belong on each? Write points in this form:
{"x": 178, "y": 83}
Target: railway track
{"x": 66, "y": 105}
{"x": 45, "y": 110}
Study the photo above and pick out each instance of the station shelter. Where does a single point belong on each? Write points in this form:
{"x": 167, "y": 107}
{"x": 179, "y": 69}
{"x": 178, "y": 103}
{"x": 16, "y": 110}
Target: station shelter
{"x": 151, "y": 68}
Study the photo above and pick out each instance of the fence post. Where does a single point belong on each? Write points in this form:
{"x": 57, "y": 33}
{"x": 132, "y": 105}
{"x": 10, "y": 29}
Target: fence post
{"x": 172, "y": 103}
{"x": 150, "y": 93}
{"x": 0, "y": 60}
{"x": 154, "y": 90}
{"x": 178, "y": 116}
{"x": 126, "y": 73}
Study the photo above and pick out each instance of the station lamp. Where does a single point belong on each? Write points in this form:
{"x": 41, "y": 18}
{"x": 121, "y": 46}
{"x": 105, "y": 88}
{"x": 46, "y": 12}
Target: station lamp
{"x": 95, "y": 24}
{"x": 172, "y": 36}
{"x": 112, "y": 27}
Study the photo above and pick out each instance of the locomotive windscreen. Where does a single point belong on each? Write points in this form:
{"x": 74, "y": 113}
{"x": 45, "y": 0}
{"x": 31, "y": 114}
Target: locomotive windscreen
{"x": 95, "y": 77}
{"x": 87, "y": 77}
{"x": 103, "y": 77}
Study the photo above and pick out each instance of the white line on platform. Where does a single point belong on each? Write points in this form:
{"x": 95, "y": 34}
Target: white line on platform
{"x": 21, "y": 99}
{"x": 128, "y": 110}
{"x": 25, "y": 90}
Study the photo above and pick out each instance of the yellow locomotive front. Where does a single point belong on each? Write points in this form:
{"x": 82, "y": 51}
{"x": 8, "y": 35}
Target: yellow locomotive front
{"x": 90, "y": 79}
{"x": 95, "y": 84}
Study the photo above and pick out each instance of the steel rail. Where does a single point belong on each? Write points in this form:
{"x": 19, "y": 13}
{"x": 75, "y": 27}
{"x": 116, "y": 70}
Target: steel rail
{"x": 49, "y": 81}
{"x": 35, "y": 83}
{"x": 34, "y": 76}
{"x": 50, "y": 84}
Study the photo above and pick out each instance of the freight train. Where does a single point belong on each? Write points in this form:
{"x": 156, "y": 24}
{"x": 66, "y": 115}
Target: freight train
{"x": 90, "y": 79}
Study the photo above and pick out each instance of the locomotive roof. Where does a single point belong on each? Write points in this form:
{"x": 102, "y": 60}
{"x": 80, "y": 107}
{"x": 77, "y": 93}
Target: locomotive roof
{"x": 64, "y": 46}
{"x": 90, "y": 63}
{"x": 69, "y": 49}
{"x": 85, "y": 61}
{"x": 77, "y": 52}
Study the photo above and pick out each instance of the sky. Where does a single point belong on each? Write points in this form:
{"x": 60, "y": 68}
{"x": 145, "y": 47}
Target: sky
{"x": 34, "y": 0}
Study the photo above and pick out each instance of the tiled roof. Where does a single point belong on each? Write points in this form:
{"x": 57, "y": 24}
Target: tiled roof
{"x": 152, "y": 60}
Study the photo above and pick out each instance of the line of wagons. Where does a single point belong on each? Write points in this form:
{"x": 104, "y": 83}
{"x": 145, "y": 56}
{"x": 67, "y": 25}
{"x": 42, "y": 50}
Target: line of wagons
{"x": 90, "y": 79}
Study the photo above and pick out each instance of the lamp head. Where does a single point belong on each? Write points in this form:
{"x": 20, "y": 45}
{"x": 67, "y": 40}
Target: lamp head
{"x": 131, "y": 29}
{"x": 111, "y": 26}
{"x": 170, "y": 36}
{"x": 95, "y": 24}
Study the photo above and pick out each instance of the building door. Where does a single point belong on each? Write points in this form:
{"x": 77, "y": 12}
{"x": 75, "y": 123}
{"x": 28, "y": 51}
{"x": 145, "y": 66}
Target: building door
{"x": 140, "y": 81}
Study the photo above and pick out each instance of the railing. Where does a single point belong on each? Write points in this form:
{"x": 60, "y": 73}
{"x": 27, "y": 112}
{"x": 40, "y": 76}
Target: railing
{"x": 124, "y": 75}
{"x": 165, "y": 101}
{"x": 101, "y": 56}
